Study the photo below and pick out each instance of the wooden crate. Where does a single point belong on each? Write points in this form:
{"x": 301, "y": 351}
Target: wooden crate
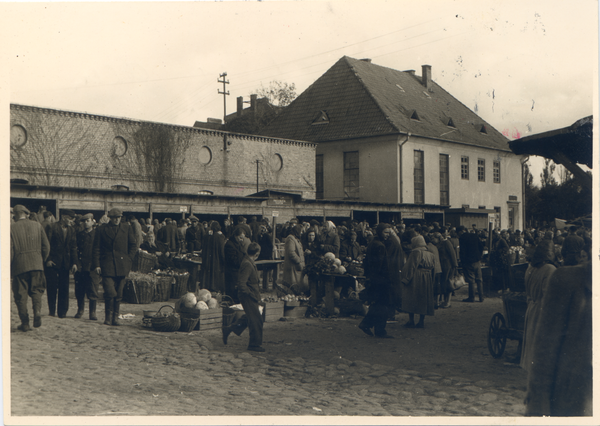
{"x": 273, "y": 311}
{"x": 209, "y": 319}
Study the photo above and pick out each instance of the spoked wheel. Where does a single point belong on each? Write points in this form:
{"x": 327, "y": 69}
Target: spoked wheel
{"x": 497, "y": 335}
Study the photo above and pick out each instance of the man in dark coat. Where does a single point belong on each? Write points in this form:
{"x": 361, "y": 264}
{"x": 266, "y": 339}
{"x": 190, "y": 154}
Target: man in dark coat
{"x": 113, "y": 252}
{"x": 254, "y": 227}
{"x": 194, "y": 235}
{"x": 470, "y": 251}
{"x": 571, "y": 248}
{"x": 249, "y": 295}
{"x": 29, "y": 248}
{"x": 379, "y": 284}
{"x": 168, "y": 235}
{"x": 61, "y": 262}
{"x": 87, "y": 280}
{"x": 234, "y": 254}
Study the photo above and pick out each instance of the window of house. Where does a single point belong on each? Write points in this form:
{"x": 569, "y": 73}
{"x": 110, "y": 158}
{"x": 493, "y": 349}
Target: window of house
{"x": 481, "y": 170}
{"x": 419, "y": 175}
{"x": 444, "y": 180}
{"x": 319, "y": 176}
{"x": 496, "y": 171}
{"x": 351, "y": 187}
{"x": 464, "y": 167}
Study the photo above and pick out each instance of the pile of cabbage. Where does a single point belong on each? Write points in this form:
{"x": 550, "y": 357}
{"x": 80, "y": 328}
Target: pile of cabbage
{"x": 201, "y": 300}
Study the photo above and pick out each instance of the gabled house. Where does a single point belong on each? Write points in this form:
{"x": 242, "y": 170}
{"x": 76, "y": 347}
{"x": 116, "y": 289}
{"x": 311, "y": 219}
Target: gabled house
{"x": 395, "y": 137}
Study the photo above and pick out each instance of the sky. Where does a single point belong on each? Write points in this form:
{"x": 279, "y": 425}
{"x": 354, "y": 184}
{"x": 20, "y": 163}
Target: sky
{"x": 524, "y": 66}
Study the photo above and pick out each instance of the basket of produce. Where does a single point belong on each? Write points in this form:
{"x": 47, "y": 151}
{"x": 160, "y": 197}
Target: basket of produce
{"x": 139, "y": 288}
{"x": 179, "y": 286}
{"x": 164, "y": 321}
{"x": 143, "y": 262}
{"x": 163, "y": 288}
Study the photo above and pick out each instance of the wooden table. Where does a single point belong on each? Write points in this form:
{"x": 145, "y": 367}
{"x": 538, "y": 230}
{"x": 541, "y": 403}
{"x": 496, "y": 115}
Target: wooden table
{"x": 266, "y": 266}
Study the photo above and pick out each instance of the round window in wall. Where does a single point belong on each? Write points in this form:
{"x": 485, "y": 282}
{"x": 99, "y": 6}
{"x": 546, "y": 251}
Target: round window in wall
{"x": 119, "y": 146}
{"x": 18, "y": 136}
{"x": 205, "y": 155}
{"x": 276, "y": 162}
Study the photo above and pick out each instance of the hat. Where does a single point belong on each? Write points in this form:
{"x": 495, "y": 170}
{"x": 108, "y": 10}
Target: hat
{"x": 418, "y": 241}
{"x": 193, "y": 218}
{"x": 20, "y": 208}
{"x": 87, "y": 216}
{"x": 67, "y": 212}
{"x": 115, "y": 212}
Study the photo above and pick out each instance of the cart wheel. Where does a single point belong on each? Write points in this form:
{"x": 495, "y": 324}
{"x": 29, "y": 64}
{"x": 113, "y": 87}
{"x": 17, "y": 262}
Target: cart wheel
{"x": 497, "y": 335}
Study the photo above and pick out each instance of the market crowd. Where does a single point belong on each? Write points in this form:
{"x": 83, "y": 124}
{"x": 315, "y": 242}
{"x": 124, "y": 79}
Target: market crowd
{"x": 408, "y": 268}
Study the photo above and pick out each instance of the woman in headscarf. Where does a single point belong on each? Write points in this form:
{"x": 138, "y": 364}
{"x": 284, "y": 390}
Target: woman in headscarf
{"x": 536, "y": 280}
{"x": 378, "y": 285}
{"x": 293, "y": 260}
{"x": 417, "y": 280}
{"x": 213, "y": 259}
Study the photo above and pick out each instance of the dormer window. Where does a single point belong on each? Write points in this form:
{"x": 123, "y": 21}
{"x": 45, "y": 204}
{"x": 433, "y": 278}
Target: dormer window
{"x": 322, "y": 118}
{"x": 414, "y": 115}
{"x": 448, "y": 121}
{"x": 482, "y": 129}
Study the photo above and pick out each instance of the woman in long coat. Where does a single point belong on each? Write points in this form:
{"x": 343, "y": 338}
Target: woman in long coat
{"x": 293, "y": 260}
{"x": 213, "y": 259}
{"x": 536, "y": 280}
{"x": 417, "y": 280}
{"x": 378, "y": 284}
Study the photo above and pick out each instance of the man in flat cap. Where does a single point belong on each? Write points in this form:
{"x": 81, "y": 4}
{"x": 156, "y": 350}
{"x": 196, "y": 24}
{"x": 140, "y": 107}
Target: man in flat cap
{"x": 194, "y": 235}
{"x": 112, "y": 255}
{"x": 87, "y": 280}
{"x": 61, "y": 262}
{"x": 29, "y": 248}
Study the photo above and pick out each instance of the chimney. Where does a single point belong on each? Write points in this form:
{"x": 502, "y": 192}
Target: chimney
{"x": 240, "y": 105}
{"x": 253, "y": 104}
{"x": 426, "y": 75}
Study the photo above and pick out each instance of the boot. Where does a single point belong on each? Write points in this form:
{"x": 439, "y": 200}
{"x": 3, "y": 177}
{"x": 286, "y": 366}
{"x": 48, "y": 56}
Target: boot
{"x": 80, "y": 308}
{"x": 108, "y": 305}
{"x": 24, "y": 323}
{"x": 37, "y": 313}
{"x": 93, "y": 316}
{"x": 115, "y": 315}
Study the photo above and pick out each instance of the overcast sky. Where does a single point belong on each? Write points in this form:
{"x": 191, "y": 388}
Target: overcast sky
{"x": 524, "y": 66}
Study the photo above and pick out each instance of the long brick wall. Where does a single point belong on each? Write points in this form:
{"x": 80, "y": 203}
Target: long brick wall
{"x": 61, "y": 148}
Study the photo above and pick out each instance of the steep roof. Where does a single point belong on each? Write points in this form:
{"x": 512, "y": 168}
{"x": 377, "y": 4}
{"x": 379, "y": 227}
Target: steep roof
{"x": 356, "y": 98}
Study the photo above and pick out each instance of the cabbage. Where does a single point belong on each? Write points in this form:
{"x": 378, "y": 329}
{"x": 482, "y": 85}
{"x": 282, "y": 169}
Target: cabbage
{"x": 201, "y": 305}
{"x": 189, "y": 300}
{"x": 203, "y": 295}
{"x": 212, "y": 304}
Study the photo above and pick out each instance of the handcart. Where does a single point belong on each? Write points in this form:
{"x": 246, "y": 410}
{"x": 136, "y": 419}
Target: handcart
{"x": 510, "y": 325}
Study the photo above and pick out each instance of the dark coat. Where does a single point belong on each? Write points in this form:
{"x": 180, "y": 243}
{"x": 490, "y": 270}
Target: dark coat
{"x": 560, "y": 374}
{"x": 234, "y": 254}
{"x": 377, "y": 272}
{"x": 331, "y": 242}
{"x": 114, "y": 249}
{"x": 193, "y": 238}
{"x": 85, "y": 246}
{"x": 213, "y": 258}
{"x": 470, "y": 248}
{"x": 63, "y": 250}
{"x": 168, "y": 235}
{"x": 349, "y": 249}
{"x": 29, "y": 247}
{"x": 248, "y": 282}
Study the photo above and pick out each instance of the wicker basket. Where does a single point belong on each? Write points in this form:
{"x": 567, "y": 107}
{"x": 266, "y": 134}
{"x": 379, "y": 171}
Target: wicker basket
{"x": 171, "y": 322}
{"x": 188, "y": 324}
{"x": 179, "y": 287}
{"x": 138, "y": 291}
{"x": 163, "y": 288}
{"x": 143, "y": 262}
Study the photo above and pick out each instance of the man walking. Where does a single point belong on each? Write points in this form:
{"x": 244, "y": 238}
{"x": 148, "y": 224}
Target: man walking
{"x": 113, "y": 251}
{"x": 61, "y": 262}
{"x": 87, "y": 280}
{"x": 249, "y": 295}
{"x": 29, "y": 249}
{"x": 470, "y": 251}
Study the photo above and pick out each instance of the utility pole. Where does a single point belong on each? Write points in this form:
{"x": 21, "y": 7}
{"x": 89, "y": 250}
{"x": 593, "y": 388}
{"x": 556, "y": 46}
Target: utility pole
{"x": 257, "y": 163}
{"x": 224, "y": 93}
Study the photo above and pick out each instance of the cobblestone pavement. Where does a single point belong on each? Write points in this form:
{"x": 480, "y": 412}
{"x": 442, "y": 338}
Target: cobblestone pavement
{"x": 84, "y": 368}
